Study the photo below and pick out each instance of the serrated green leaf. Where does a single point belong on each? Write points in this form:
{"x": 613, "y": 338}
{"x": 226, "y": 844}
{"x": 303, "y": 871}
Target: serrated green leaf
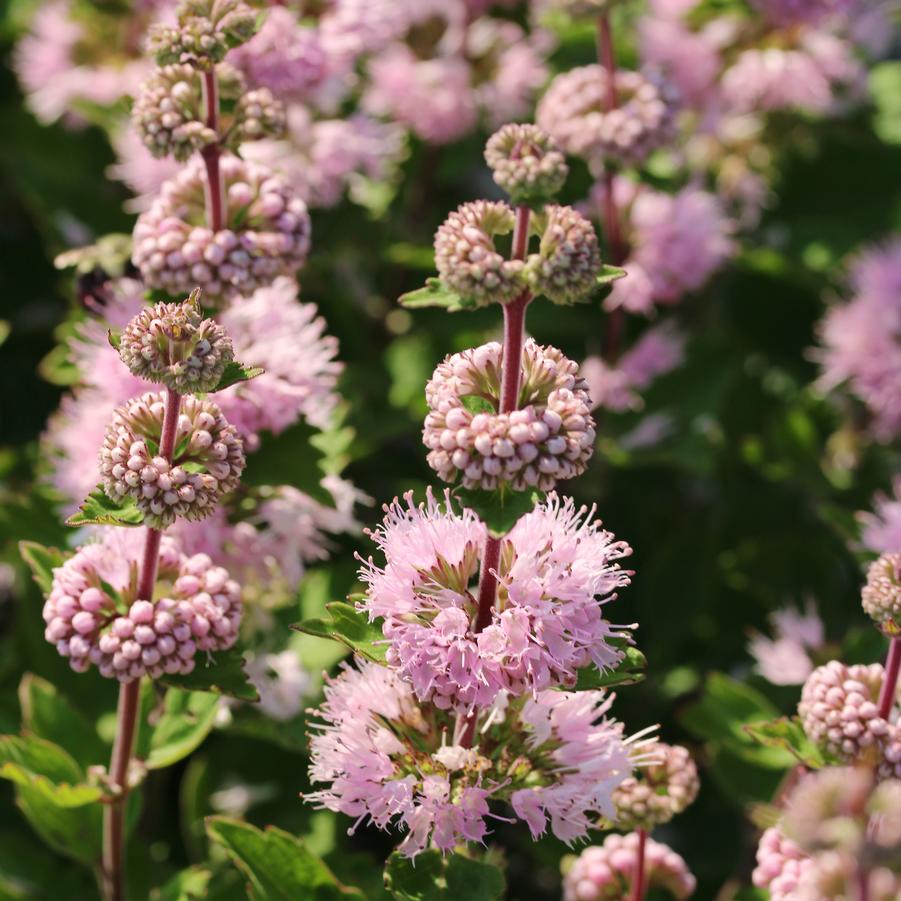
{"x": 236, "y": 372}
{"x": 499, "y": 509}
{"x": 787, "y": 733}
{"x": 188, "y": 885}
{"x": 630, "y": 670}
{"x": 49, "y": 715}
{"x": 278, "y": 866}
{"x": 476, "y": 404}
{"x": 41, "y": 561}
{"x": 349, "y": 626}
{"x": 434, "y": 877}
{"x": 220, "y": 672}
{"x": 185, "y": 721}
{"x": 435, "y": 294}
{"x": 46, "y": 769}
{"x": 98, "y": 509}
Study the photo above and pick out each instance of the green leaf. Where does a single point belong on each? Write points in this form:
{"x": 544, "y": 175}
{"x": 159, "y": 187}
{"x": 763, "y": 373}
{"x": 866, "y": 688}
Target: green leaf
{"x": 72, "y": 831}
{"x": 435, "y": 294}
{"x": 631, "y": 669}
{"x": 276, "y": 864}
{"x": 100, "y": 510}
{"x": 221, "y": 673}
{"x": 114, "y": 338}
{"x": 42, "y": 561}
{"x": 499, "y": 509}
{"x": 476, "y": 404}
{"x": 236, "y": 372}
{"x": 610, "y": 274}
{"x": 46, "y": 769}
{"x": 433, "y": 877}
{"x": 187, "y": 885}
{"x": 186, "y": 720}
{"x": 349, "y": 626}
{"x": 787, "y": 734}
{"x": 51, "y": 716}
{"x": 111, "y": 254}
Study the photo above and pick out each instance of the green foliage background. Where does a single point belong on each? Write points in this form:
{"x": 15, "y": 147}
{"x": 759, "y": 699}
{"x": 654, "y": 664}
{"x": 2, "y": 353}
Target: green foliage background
{"x": 747, "y": 506}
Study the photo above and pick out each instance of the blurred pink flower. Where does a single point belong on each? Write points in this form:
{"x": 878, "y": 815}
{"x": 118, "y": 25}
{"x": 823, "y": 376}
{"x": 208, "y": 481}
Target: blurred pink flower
{"x": 139, "y": 170}
{"x": 882, "y": 527}
{"x": 786, "y": 658}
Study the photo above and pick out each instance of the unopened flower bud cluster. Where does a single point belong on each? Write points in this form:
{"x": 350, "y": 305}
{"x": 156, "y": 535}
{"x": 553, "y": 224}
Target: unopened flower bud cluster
{"x": 526, "y": 163}
{"x": 206, "y": 31}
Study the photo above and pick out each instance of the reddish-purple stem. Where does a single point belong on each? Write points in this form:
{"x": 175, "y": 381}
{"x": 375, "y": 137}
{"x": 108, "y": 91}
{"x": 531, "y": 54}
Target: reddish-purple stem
{"x": 638, "y": 874}
{"x": 113, "y": 869}
{"x": 616, "y": 247}
{"x": 214, "y": 190}
{"x": 890, "y": 684}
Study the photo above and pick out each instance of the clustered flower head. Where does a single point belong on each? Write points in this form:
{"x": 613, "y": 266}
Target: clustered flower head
{"x": 605, "y": 872}
{"x": 173, "y": 344}
{"x": 466, "y": 256}
{"x": 836, "y": 822}
{"x": 557, "y": 569}
{"x": 658, "y": 791}
{"x": 568, "y": 261}
{"x": 549, "y": 437}
{"x": 556, "y": 758}
{"x": 573, "y": 111}
{"x": 206, "y": 30}
{"x": 267, "y": 233}
{"x": 93, "y": 615}
{"x": 881, "y": 596}
{"x": 206, "y": 464}
{"x": 839, "y": 710}
{"x": 526, "y": 163}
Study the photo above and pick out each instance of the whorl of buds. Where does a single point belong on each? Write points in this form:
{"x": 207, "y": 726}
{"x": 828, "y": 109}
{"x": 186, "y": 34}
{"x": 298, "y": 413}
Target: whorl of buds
{"x": 881, "y": 596}
{"x": 467, "y": 259}
{"x": 568, "y": 262}
{"x": 207, "y": 463}
{"x": 549, "y": 437}
{"x": 658, "y": 791}
{"x": 839, "y": 712}
{"x": 206, "y": 31}
{"x": 169, "y": 112}
{"x": 604, "y": 872}
{"x": 173, "y": 344}
{"x": 573, "y": 112}
{"x": 781, "y": 865}
{"x": 526, "y": 163}
{"x": 127, "y": 638}
{"x": 268, "y": 233}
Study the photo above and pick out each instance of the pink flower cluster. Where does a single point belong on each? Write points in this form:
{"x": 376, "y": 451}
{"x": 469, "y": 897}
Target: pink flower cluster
{"x": 786, "y": 659}
{"x": 861, "y": 339}
{"x": 557, "y": 568}
{"x": 677, "y": 241}
{"x": 605, "y": 872}
{"x": 382, "y": 760}
{"x": 781, "y": 865}
{"x": 93, "y": 617}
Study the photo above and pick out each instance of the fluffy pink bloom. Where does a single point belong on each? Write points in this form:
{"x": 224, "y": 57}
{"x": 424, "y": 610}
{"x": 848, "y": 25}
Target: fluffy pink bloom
{"x": 557, "y": 569}
{"x": 45, "y": 62}
{"x": 811, "y": 76}
{"x": 281, "y": 682}
{"x": 139, "y": 170}
{"x": 882, "y": 527}
{"x": 796, "y": 12}
{"x": 320, "y": 158}
{"x": 861, "y": 339}
{"x": 677, "y": 242}
{"x": 382, "y": 759}
{"x": 785, "y": 659}
{"x": 658, "y": 351}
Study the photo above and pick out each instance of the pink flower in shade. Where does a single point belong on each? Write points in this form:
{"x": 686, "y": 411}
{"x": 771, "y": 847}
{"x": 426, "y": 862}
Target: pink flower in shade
{"x": 786, "y": 659}
{"x": 799, "y": 12}
{"x": 658, "y": 351}
{"x": 557, "y": 569}
{"x": 139, "y": 170}
{"x": 281, "y": 682}
{"x": 811, "y": 76}
{"x": 320, "y": 158}
{"x": 604, "y": 872}
{"x": 882, "y": 527}
{"x": 384, "y": 759}
{"x": 269, "y": 326}
{"x": 432, "y": 97}
{"x": 677, "y": 242}
{"x": 861, "y": 339}
{"x": 285, "y": 56}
